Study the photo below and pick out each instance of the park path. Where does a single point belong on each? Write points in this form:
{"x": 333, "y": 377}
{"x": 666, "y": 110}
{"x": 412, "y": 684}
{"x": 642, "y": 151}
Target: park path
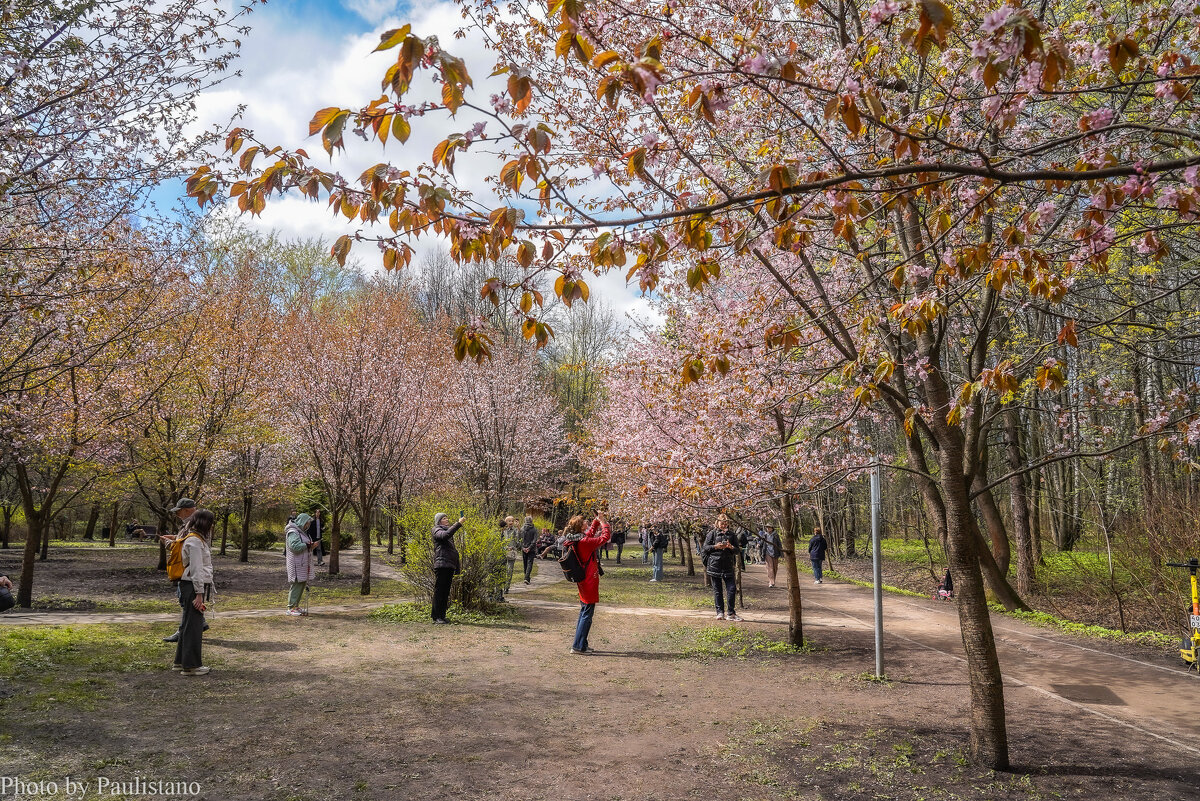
{"x": 1138, "y": 694}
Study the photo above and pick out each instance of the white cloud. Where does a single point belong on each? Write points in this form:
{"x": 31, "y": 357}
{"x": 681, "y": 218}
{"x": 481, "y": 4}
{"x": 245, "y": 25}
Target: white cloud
{"x": 290, "y": 70}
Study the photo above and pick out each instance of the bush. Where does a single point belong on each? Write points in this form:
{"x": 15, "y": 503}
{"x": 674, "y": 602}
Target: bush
{"x": 480, "y": 549}
{"x": 345, "y": 541}
{"x": 262, "y": 540}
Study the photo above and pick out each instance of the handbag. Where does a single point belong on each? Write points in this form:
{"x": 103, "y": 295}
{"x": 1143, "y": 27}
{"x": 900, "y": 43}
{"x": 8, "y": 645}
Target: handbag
{"x": 6, "y": 599}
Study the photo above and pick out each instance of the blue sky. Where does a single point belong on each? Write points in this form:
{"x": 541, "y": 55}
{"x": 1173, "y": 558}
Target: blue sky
{"x": 303, "y": 55}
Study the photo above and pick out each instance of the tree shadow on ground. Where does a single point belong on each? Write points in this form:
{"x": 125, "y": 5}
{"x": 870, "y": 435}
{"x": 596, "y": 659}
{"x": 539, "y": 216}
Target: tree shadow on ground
{"x": 253, "y": 645}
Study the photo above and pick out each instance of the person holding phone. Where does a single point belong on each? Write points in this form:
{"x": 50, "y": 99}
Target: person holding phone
{"x": 720, "y": 552}
{"x": 445, "y": 564}
{"x": 586, "y": 545}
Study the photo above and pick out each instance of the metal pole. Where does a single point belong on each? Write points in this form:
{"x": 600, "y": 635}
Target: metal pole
{"x": 877, "y": 568}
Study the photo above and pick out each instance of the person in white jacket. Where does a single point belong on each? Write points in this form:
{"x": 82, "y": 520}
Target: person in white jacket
{"x": 195, "y": 586}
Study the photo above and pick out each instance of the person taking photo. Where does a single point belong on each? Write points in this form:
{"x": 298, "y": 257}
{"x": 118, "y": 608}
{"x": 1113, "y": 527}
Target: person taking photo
{"x": 720, "y": 553}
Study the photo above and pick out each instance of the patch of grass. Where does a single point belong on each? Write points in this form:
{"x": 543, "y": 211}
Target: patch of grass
{"x": 886, "y": 587}
{"x": 630, "y": 586}
{"x": 419, "y": 612}
{"x": 727, "y": 641}
{"x": 1152, "y": 638}
{"x": 72, "y": 665}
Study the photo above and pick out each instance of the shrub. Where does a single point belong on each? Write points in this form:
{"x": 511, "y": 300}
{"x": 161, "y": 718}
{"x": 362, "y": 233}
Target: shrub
{"x": 262, "y": 540}
{"x": 344, "y": 541}
{"x": 480, "y": 549}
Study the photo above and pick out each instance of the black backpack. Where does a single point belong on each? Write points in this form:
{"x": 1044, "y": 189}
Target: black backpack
{"x": 573, "y": 569}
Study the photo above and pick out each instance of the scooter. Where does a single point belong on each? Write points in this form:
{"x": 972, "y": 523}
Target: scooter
{"x": 1189, "y": 647}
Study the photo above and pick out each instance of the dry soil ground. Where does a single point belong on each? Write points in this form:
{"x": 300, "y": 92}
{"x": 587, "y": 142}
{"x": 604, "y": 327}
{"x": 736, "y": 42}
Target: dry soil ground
{"x": 675, "y": 706}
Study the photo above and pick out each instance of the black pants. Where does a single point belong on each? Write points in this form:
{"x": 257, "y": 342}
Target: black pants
{"x": 620, "y": 547}
{"x": 441, "y": 591}
{"x": 191, "y": 631}
{"x": 527, "y": 563}
{"x": 730, "y": 585}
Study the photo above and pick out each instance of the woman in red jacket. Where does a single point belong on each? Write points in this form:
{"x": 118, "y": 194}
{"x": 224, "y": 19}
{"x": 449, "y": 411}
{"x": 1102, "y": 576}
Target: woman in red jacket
{"x": 587, "y": 543}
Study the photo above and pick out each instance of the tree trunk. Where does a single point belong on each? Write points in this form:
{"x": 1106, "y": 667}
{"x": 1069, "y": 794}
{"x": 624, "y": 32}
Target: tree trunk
{"x": 795, "y": 611}
{"x": 6, "y": 526}
{"x": 991, "y": 516}
{"x": 224, "y": 531}
{"x": 1019, "y": 503}
{"x": 365, "y": 530}
{"x": 89, "y": 530}
{"x": 112, "y": 524}
{"x": 162, "y": 546}
{"x": 33, "y": 541}
{"x": 391, "y": 528}
{"x": 989, "y": 736}
{"x": 247, "y": 508}
{"x": 335, "y": 540}
{"x": 45, "y": 540}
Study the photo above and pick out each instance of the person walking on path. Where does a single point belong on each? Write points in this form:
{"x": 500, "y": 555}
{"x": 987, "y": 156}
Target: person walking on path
{"x": 586, "y": 545}
{"x": 816, "y": 553}
{"x": 659, "y": 540}
{"x": 314, "y": 533}
{"x": 528, "y": 549}
{"x": 772, "y": 548}
{"x": 512, "y": 547}
{"x": 720, "y": 551}
{"x": 299, "y": 547}
{"x": 195, "y": 588}
{"x": 183, "y": 511}
{"x": 445, "y": 564}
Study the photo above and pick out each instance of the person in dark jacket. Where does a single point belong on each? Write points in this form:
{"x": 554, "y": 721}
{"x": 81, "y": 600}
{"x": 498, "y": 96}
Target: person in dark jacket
{"x": 817, "y": 546}
{"x": 445, "y": 564}
{"x": 620, "y": 530}
{"x": 529, "y": 538}
{"x": 720, "y": 552}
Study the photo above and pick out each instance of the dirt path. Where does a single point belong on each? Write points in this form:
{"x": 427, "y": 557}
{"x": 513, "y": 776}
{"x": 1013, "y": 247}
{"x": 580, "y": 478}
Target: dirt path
{"x": 1130, "y": 692}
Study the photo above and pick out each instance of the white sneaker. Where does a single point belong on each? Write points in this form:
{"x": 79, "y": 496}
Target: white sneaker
{"x": 720, "y": 615}
{"x": 734, "y": 618}
{"x": 818, "y": 581}
{"x": 196, "y": 671}
{"x": 294, "y": 612}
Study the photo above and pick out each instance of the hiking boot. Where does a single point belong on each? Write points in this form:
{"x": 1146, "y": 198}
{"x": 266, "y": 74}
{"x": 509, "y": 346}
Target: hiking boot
{"x": 720, "y": 615}
{"x": 173, "y": 638}
{"x": 196, "y": 671}
{"x": 734, "y": 618}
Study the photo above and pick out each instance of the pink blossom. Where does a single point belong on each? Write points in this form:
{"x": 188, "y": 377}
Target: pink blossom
{"x": 995, "y": 20}
{"x": 884, "y": 10}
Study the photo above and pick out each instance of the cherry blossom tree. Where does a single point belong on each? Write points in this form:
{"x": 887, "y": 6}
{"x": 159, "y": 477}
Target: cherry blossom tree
{"x": 508, "y": 438}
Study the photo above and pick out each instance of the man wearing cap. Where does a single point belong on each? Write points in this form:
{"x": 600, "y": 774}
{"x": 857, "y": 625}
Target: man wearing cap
{"x": 183, "y": 510}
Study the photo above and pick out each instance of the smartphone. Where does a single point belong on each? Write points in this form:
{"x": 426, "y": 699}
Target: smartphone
{"x": 461, "y": 514}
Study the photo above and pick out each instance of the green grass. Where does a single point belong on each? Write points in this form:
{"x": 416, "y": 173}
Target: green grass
{"x": 724, "y": 641}
{"x": 1152, "y": 638}
{"x": 886, "y": 587}
{"x": 419, "y": 612}
{"x": 631, "y": 586}
{"x": 72, "y": 665}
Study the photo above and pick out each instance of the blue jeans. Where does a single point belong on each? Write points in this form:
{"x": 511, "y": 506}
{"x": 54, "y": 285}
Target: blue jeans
{"x": 657, "y": 572}
{"x": 645, "y": 554}
{"x": 586, "y": 613}
{"x": 817, "y": 568}
{"x": 730, "y": 583}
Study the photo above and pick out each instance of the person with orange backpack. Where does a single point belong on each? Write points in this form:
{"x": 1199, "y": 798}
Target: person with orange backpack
{"x": 183, "y": 510}
{"x": 195, "y": 587}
